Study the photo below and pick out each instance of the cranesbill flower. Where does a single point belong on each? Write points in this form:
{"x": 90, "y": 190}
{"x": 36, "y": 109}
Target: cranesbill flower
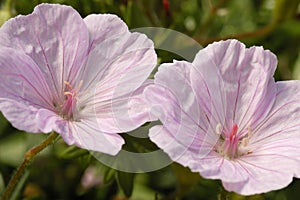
{"x": 75, "y": 76}
{"x": 224, "y": 116}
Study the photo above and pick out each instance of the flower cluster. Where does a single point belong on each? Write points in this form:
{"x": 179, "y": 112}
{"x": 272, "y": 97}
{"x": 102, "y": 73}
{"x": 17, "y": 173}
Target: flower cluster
{"x": 222, "y": 115}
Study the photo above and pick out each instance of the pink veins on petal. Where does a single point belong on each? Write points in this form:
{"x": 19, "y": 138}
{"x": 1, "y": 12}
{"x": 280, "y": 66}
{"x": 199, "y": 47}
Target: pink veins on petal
{"x": 224, "y": 116}
{"x": 60, "y": 72}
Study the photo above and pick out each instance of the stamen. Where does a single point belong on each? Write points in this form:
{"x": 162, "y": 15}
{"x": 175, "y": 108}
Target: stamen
{"x": 69, "y": 106}
{"x": 68, "y": 93}
{"x": 231, "y": 145}
{"x": 245, "y": 140}
{"x": 219, "y": 129}
{"x": 80, "y": 85}
{"x": 68, "y": 85}
{"x": 249, "y": 131}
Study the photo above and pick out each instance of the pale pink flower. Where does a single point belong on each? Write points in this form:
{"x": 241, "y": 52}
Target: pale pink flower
{"x": 224, "y": 116}
{"x": 75, "y": 76}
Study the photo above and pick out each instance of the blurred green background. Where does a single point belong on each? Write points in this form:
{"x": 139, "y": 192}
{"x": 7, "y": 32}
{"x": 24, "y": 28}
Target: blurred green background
{"x": 62, "y": 172}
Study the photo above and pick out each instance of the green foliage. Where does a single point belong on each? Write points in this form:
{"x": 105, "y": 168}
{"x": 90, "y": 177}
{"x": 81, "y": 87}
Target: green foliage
{"x": 18, "y": 191}
{"x": 72, "y": 152}
{"x": 284, "y": 10}
{"x": 125, "y": 181}
{"x": 109, "y": 175}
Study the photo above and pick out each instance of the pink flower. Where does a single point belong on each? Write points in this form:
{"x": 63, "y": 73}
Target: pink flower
{"x": 225, "y": 117}
{"x": 75, "y": 76}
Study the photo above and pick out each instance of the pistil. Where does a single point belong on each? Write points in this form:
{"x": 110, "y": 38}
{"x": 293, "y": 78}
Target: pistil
{"x": 69, "y": 106}
{"x": 231, "y": 145}
{"x": 231, "y": 142}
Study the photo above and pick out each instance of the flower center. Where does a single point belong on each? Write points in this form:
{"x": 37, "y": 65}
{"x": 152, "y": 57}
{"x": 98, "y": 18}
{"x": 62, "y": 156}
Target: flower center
{"x": 69, "y": 106}
{"x": 231, "y": 145}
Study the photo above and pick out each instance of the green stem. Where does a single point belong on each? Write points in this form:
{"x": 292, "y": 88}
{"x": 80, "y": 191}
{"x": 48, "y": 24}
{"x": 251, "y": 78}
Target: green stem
{"x": 29, "y": 155}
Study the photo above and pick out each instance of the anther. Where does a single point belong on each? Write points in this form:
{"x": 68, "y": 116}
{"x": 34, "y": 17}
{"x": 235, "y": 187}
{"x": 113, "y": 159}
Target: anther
{"x": 219, "y": 129}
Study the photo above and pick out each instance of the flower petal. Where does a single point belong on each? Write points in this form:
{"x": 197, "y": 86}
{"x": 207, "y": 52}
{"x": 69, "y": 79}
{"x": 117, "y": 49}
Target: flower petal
{"x": 170, "y": 145}
{"x": 88, "y": 136}
{"x": 263, "y": 175}
{"x": 211, "y": 166}
{"x": 279, "y": 134}
{"x": 47, "y": 121}
{"x": 22, "y": 80}
{"x": 20, "y": 115}
{"x": 242, "y": 89}
{"x": 116, "y": 67}
{"x": 55, "y": 37}
{"x": 173, "y": 102}
{"x": 119, "y": 61}
{"x": 283, "y": 119}
{"x": 104, "y": 26}
{"x": 84, "y": 134}
{"x": 275, "y": 140}
{"x": 124, "y": 113}
{"x": 23, "y": 90}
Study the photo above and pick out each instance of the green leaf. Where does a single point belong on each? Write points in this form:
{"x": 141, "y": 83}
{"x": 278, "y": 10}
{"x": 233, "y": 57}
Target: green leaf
{"x": 125, "y": 181}
{"x": 20, "y": 185}
{"x": 109, "y": 175}
{"x": 72, "y": 152}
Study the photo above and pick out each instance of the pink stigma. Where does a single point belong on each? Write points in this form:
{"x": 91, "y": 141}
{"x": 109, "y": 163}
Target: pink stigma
{"x": 233, "y": 131}
{"x": 231, "y": 143}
